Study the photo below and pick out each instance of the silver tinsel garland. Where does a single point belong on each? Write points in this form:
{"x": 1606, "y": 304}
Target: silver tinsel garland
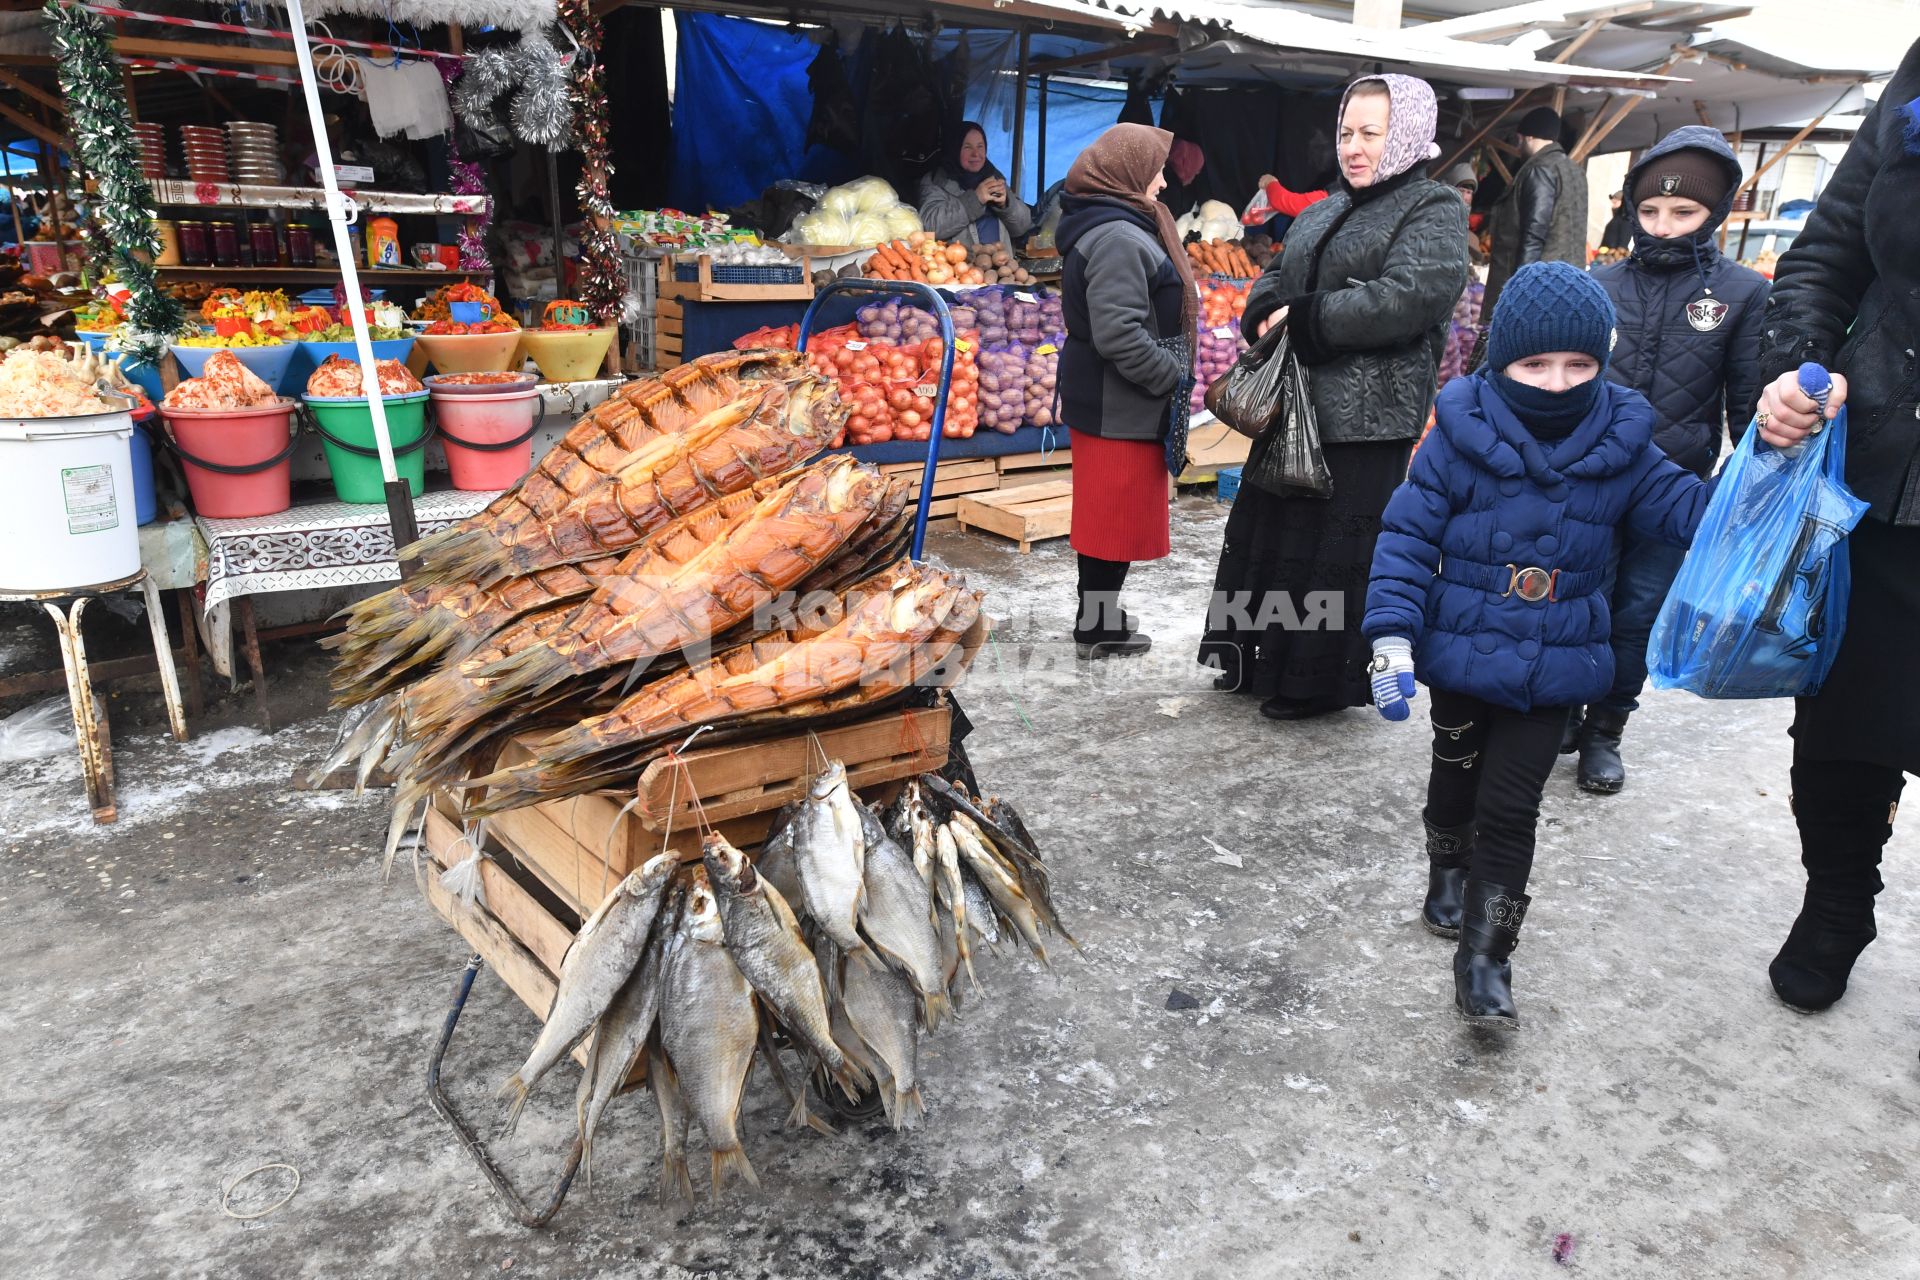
{"x": 541, "y": 111}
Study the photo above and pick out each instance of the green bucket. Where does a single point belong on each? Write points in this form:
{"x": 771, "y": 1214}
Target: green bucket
{"x": 346, "y": 433}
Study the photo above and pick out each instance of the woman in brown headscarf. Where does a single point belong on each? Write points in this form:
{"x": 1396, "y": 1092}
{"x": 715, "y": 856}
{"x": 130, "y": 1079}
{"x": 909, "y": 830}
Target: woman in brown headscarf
{"x": 1125, "y": 371}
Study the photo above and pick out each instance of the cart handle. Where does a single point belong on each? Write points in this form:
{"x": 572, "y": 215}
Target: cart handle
{"x": 925, "y": 293}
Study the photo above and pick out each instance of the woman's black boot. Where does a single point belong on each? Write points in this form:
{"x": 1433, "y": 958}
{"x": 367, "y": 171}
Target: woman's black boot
{"x": 1489, "y": 930}
{"x": 1845, "y": 813}
{"x": 1449, "y": 852}
{"x": 1100, "y": 627}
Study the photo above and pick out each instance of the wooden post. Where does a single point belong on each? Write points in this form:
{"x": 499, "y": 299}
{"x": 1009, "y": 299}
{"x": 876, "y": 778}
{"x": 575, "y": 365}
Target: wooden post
{"x": 1608, "y": 119}
{"x": 13, "y": 204}
{"x": 456, "y": 39}
{"x": 50, "y": 176}
{"x": 1780, "y": 155}
{"x": 1020, "y": 110}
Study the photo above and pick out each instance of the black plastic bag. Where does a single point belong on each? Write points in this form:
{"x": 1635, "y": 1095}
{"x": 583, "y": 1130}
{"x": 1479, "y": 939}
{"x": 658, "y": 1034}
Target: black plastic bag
{"x": 1287, "y": 460}
{"x": 1247, "y": 397}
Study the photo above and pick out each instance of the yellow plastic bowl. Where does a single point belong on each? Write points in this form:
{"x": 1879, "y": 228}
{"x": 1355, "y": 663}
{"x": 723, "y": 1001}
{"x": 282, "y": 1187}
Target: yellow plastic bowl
{"x": 571, "y": 356}
{"x": 469, "y": 352}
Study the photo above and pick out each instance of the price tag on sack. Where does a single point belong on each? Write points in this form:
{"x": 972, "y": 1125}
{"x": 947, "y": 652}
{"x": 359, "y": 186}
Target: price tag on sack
{"x": 1025, "y": 297}
{"x": 1045, "y": 349}
{"x": 928, "y": 391}
{"x": 1223, "y": 332}
{"x": 856, "y": 346}
{"x": 961, "y": 344}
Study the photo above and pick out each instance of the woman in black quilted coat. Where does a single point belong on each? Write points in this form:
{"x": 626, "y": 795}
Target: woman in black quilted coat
{"x": 1366, "y": 286}
{"x": 1847, "y": 295}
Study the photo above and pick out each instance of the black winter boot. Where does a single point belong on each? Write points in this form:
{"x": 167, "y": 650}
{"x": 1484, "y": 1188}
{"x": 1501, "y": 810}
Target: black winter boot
{"x": 1489, "y": 931}
{"x": 1845, "y": 814}
{"x": 1101, "y": 628}
{"x": 1600, "y": 769}
{"x": 1570, "y": 737}
{"x": 1449, "y": 853}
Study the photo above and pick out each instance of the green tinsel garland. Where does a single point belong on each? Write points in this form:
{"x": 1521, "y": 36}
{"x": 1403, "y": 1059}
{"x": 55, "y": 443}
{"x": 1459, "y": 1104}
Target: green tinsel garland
{"x": 102, "y": 130}
{"x": 603, "y": 284}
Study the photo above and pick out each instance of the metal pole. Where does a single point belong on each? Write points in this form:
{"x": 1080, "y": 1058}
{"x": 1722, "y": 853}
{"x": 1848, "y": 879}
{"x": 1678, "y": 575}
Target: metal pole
{"x": 341, "y": 212}
{"x": 559, "y": 232}
{"x": 1040, "y": 157}
{"x": 1020, "y": 112}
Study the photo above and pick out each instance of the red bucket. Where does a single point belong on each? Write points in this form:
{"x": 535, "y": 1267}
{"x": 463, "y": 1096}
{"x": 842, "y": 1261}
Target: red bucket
{"x": 488, "y": 438}
{"x": 239, "y": 462}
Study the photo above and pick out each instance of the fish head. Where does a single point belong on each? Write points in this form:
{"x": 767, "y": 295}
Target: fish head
{"x": 726, "y": 865}
{"x": 859, "y": 484}
{"x": 702, "y": 911}
{"x": 655, "y": 872}
{"x": 833, "y": 777}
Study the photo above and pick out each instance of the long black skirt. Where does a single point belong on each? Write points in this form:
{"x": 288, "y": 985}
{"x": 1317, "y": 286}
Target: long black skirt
{"x": 1869, "y": 708}
{"x": 1272, "y": 629}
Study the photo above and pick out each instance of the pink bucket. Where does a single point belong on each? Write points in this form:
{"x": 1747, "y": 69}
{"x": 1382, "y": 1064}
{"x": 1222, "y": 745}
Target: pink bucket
{"x": 488, "y": 438}
{"x": 238, "y": 461}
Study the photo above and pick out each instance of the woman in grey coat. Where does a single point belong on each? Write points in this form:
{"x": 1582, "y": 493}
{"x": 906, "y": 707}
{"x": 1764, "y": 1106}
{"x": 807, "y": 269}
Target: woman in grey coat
{"x": 967, "y": 200}
{"x": 1366, "y": 287}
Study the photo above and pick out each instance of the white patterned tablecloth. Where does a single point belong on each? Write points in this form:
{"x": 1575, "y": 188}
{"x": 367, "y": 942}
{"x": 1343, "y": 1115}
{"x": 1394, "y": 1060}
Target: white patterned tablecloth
{"x": 322, "y": 544}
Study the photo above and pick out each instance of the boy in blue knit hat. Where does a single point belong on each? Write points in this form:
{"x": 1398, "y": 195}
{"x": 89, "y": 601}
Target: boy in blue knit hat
{"x": 1487, "y": 585}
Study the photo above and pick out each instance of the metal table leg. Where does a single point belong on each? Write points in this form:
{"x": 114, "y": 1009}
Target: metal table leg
{"x": 163, "y": 658}
{"x": 96, "y": 760}
{"x": 471, "y": 1139}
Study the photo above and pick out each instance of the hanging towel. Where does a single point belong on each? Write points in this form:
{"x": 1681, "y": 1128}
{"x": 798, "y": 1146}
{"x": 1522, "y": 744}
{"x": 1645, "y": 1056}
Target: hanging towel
{"x": 410, "y": 98}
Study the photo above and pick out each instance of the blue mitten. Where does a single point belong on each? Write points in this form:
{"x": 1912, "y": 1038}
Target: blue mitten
{"x": 1393, "y": 676}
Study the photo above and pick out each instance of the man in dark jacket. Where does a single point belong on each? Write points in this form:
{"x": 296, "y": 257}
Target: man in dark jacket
{"x": 1543, "y": 216}
{"x": 1689, "y": 340}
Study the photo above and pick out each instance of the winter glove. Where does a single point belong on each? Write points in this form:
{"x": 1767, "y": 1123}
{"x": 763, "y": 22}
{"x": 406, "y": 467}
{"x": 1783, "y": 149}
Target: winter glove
{"x": 1392, "y": 672}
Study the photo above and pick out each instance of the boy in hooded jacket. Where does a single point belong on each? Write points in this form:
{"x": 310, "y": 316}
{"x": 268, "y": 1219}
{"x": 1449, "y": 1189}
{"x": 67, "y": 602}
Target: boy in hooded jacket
{"x": 1690, "y": 336}
{"x": 1488, "y": 583}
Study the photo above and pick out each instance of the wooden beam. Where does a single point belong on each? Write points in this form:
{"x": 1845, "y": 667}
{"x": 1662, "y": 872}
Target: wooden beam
{"x": 1125, "y": 49}
{"x": 1608, "y": 119}
{"x": 1587, "y": 33}
{"x": 1780, "y": 155}
{"x": 1447, "y": 162}
{"x": 1020, "y": 111}
{"x": 1700, "y": 109}
{"x": 31, "y": 90}
{"x": 199, "y": 51}
{"x": 35, "y": 128}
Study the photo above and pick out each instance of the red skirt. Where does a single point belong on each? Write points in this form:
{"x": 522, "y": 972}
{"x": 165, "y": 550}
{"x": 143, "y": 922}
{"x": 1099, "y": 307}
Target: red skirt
{"x": 1119, "y": 498}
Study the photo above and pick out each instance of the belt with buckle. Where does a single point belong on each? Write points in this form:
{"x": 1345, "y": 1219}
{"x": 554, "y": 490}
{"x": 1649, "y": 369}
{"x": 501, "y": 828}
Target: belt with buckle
{"x": 1530, "y": 583}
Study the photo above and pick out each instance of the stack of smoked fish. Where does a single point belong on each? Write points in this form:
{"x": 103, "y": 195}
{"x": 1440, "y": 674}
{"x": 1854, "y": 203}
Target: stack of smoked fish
{"x": 629, "y": 591}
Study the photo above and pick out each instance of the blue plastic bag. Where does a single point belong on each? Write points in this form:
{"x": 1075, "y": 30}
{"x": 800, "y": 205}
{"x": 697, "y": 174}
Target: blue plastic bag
{"x": 1760, "y": 606}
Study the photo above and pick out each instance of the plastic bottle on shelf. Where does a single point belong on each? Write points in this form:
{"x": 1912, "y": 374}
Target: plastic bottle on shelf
{"x": 383, "y": 243}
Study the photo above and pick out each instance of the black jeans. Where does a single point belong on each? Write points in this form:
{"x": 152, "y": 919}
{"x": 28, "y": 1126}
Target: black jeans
{"x": 1490, "y": 765}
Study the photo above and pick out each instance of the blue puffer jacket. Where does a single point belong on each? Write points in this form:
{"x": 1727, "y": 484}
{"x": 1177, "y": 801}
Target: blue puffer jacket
{"x": 1485, "y": 498}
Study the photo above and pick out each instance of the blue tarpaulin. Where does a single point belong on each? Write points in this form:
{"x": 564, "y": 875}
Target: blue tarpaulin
{"x": 742, "y": 102}
{"x": 741, "y": 105}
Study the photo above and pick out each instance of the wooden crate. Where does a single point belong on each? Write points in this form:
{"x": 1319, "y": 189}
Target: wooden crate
{"x": 669, "y": 320}
{"x": 706, "y": 289}
{"x": 522, "y": 938}
{"x": 1211, "y": 447}
{"x": 951, "y": 481}
{"x": 1026, "y": 514}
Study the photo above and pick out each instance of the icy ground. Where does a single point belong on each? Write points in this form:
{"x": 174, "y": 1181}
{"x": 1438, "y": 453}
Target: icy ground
{"x": 1253, "y": 1071}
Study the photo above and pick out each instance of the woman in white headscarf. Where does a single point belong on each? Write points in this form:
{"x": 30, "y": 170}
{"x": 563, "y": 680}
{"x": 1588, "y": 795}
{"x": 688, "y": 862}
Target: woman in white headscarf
{"x": 1366, "y": 286}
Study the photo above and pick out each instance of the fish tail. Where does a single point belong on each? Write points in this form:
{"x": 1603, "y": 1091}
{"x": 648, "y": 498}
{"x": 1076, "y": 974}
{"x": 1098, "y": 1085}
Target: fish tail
{"x": 729, "y": 1165}
{"x": 800, "y": 1116}
{"x": 518, "y": 1090}
{"x": 935, "y": 1009}
{"x": 675, "y": 1182}
{"x": 851, "y": 1077}
{"x": 406, "y": 795}
{"x": 468, "y": 552}
{"x": 909, "y": 1108}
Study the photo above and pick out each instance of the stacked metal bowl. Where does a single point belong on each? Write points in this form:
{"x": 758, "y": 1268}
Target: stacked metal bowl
{"x": 256, "y": 153}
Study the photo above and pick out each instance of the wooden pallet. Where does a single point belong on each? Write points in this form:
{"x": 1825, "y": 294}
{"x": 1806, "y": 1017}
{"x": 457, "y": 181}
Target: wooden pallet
{"x": 1211, "y": 447}
{"x": 1026, "y": 514}
{"x": 706, "y": 289}
{"x": 951, "y": 481}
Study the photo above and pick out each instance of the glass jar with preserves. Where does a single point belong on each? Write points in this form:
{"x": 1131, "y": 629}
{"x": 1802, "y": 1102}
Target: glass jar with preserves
{"x": 195, "y": 247}
{"x": 266, "y": 244}
{"x": 226, "y": 244}
{"x": 299, "y": 244}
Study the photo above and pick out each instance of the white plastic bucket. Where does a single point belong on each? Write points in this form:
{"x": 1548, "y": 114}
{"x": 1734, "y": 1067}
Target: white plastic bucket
{"x": 67, "y": 515}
